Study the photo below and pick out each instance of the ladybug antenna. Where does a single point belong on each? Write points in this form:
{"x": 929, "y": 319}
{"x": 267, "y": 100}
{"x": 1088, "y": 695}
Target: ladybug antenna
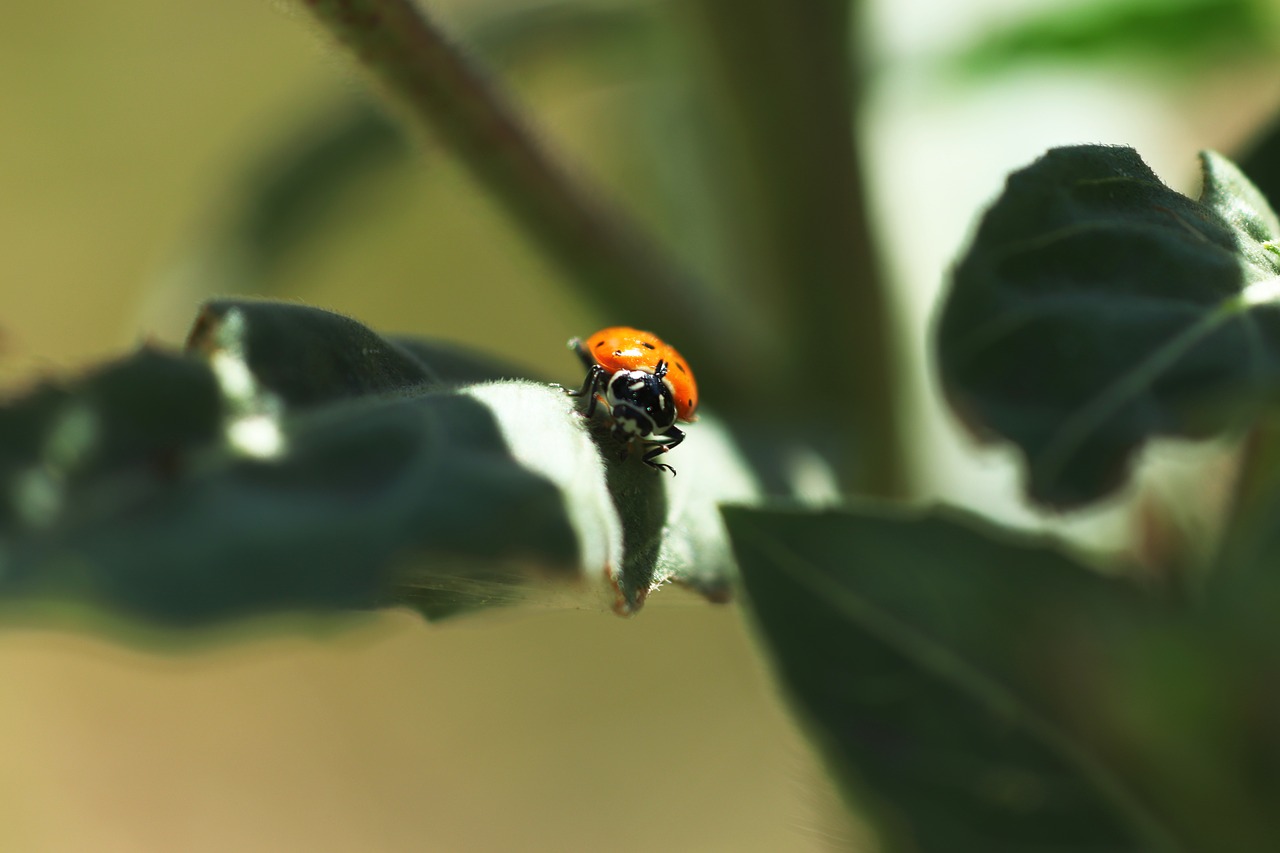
{"x": 661, "y": 370}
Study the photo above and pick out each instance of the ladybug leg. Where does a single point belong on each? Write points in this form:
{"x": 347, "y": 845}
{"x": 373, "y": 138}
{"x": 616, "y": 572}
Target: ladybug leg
{"x": 577, "y": 346}
{"x": 590, "y": 386}
{"x": 672, "y": 438}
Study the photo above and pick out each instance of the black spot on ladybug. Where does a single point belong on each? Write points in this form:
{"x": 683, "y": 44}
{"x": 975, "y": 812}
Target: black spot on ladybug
{"x": 599, "y": 344}
{"x": 648, "y": 345}
{"x": 680, "y": 367}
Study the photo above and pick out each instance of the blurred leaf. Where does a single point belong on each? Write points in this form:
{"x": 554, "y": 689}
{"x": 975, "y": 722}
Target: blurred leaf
{"x": 1186, "y": 706}
{"x": 982, "y": 692}
{"x": 560, "y": 29}
{"x": 912, "y": 645}
{"x": 1183, "y": 34}
{"x": 298, "y": 190}
{"x": 292, "y": 195}
{"x": 1247, "y": 569}
{"x": 1097, "y": 308}
{"x": 1188, "y": 711}
{"x": 294, "y": 460}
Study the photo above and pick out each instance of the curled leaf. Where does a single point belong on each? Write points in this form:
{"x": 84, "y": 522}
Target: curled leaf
{"x": 1097, "y": 308}
{"x": 294, "y": 459}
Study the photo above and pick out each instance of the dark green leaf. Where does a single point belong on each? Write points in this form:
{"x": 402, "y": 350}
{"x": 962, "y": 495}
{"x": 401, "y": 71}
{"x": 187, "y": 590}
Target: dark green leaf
{"x": 309, "y": 357}
{"x": 981, "y": 692}
{"x": 920, "y": 651}
{"x": 1098, "y": 308}
{"x": 293, "y": 459}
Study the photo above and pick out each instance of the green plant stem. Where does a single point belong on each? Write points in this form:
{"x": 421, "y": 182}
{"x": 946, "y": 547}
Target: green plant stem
{"x": 1253, "y": 499}
{"x": 604, "y": 254}
{"x": 785, "y": 73}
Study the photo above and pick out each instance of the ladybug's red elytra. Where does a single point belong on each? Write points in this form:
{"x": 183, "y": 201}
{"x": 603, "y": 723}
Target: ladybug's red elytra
{"x": 646, "y": 385}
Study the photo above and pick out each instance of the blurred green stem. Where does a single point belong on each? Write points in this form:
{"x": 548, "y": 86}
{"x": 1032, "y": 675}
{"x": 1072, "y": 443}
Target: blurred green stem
{"x": 1253, "y": 499}
{"x": 785, "y": 74}
{"x": 602, "y": 252}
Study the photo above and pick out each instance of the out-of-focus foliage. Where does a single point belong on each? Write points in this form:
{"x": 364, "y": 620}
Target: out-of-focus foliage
{"x": 297, "y": 193}
{"x": 1179, "y": 35}
{"x": 973, "y": 690}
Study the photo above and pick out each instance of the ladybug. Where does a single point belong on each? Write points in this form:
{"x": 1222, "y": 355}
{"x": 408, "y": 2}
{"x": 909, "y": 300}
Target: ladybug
{"x": 646, "y": 384}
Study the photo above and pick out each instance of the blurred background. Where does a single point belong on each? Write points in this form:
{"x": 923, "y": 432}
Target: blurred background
{"x": 158, "y": 152}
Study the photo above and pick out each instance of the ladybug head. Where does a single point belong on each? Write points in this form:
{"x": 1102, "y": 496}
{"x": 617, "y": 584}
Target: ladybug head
{"x": 641, "y": 403}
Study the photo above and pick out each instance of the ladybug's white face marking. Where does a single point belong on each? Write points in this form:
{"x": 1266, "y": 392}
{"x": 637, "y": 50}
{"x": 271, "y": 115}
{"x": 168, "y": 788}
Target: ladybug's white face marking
{"x": 666, "y": 412}
{"x": 641, "y": 403}
{"x": 629, "y": 425}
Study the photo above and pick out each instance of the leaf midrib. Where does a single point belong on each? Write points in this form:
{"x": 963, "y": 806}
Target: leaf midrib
{"x": 948, "y": 665}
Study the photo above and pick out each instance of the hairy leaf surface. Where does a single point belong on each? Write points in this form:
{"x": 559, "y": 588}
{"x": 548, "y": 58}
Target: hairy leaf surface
{"x": 982, "y": 692}
{"x": 1098, "y": 308}
{"x": 294, "y": 459}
